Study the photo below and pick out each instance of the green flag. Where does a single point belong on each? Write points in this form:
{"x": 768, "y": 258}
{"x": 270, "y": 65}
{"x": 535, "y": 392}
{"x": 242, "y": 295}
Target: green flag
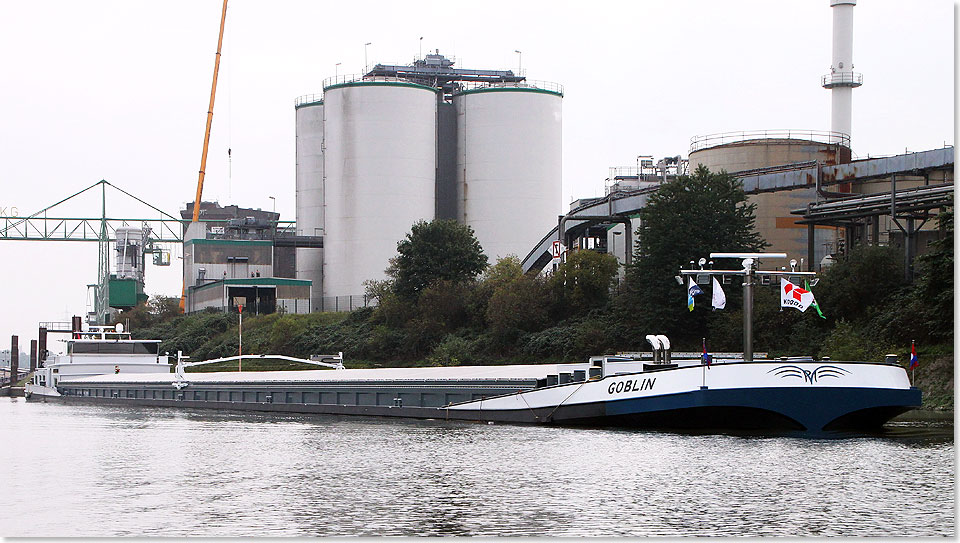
{"x": 806, "y": 286}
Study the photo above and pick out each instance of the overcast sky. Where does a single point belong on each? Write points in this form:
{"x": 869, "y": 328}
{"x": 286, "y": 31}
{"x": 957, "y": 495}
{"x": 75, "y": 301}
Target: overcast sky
{"x": 119, "y": 91}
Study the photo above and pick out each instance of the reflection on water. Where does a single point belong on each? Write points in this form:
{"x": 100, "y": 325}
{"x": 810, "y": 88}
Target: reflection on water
{"x": 99, "y": 471}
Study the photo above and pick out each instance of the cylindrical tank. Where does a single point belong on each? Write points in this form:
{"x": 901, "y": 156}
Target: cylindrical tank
{"x": 380, "y": 162}
{"x": 751, "y": 151}
{"x": 734, "y": 152}
{"x": 309, "y": 137}
{"x": 509, "y": 165}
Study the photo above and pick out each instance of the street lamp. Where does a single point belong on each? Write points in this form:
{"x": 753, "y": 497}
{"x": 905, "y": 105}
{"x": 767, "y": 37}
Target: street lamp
{"x": 421, "y": 47}
{"x": 519, "y": 61}
{"x": 336, "y": 70}
{"x": 274, "y": 203}
{"x": 365, "y": 65}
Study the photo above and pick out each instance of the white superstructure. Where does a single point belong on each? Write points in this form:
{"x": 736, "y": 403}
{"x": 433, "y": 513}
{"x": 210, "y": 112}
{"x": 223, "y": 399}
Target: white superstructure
{"x": 508, "y": 165}
{"x": 99, "y": 351}
{"x": 380, "y": 160}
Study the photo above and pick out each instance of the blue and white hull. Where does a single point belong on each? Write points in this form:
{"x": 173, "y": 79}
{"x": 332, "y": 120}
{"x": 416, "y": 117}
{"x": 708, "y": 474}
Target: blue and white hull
{"x": 789, "y": 394}
{"x": 809, "y": 396}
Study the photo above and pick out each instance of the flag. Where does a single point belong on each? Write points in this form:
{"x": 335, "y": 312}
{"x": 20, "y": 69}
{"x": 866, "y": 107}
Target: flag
{"x": 793, "y": 296}
{"x": 692, "y": 290}
{"x": 719, "y": 298}
{"x": 706, "y": 356}
{"x": 806, "y": 285}
{"x": 914, "y": 361}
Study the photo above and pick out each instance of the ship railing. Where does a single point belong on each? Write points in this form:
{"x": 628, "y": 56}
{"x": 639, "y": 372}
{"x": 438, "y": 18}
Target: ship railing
{"x": 334, "y": 361}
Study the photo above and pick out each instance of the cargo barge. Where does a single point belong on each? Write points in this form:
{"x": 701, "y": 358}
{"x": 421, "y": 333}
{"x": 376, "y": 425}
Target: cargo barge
{"x": 793, "y": 394}
{"x": 647, "y": 390}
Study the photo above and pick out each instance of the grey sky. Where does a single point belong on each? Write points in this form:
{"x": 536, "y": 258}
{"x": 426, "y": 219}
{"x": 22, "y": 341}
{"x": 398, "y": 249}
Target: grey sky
{"x": 119, "y": 91}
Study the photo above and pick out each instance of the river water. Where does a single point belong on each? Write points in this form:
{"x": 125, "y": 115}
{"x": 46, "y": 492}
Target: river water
{"x": 94, "y": 471}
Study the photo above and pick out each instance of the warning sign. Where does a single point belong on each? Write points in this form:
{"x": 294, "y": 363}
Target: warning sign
{"x": 557, "y": 249}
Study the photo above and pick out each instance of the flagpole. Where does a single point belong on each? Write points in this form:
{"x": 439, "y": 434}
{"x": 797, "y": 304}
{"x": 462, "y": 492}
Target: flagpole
{"x": 703, "y": 366}
{"x": 913, "y": 369}
{"x": 240, "y": 349}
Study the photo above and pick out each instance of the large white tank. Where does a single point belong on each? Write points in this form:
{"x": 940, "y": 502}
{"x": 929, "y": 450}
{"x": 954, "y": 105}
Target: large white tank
{"x": 380, "y": 161}
{"x": 310, "y": 190}
{"x": 509, "y": 165}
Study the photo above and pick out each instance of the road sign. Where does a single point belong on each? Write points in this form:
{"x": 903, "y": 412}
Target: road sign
{"x": 557, "y": 249}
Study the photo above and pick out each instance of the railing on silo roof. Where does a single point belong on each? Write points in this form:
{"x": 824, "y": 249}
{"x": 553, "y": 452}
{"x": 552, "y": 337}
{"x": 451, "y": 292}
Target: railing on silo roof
{"x": 698, "y": 143}
{"x": 525, "y": 84}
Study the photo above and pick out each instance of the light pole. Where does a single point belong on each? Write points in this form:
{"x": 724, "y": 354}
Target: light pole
{"x": 336, "y": 70}
{"x": 421, "y": 47}
{"x": 365, "y": 65}
{"x": 519, "y": 61}
{"x": 274, "y": 203}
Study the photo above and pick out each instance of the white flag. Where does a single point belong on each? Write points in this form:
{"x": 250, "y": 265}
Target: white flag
{"x": 719, "y": 298}
{"x": 793, "y": 296}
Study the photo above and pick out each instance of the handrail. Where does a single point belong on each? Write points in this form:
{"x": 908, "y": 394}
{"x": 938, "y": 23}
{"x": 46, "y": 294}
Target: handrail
{"x": 463, "y": 85}
{"x": 842, "y": 79}
{"x": 698, "y": 143}
{"x": 316, "y": 360}
{"x": 308, "y": 99}
{"x": 527, "y": 83}
{"x": 352, "y": 78}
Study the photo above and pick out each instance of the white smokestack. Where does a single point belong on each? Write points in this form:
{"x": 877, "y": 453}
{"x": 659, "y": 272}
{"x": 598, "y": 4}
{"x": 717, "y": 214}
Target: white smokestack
{"x": 842, "y": 79}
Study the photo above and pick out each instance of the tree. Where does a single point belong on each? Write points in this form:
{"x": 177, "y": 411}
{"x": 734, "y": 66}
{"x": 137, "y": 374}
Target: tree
{"x": 924, "y": 311}
{"x": 685, "y": 219}
{"x": 439, "y": 250}
{"x": 583, "y": 282}
{"x": 514, "y": 302}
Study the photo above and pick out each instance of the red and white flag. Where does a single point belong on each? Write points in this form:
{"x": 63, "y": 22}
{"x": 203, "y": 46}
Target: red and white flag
{"x": 793, "y": 296}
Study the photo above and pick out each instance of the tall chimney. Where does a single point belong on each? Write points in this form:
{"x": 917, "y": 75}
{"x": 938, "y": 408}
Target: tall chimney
{"x": 842, "y": 79}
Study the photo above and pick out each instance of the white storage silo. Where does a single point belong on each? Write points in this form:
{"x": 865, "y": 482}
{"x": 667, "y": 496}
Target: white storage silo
{"x": 508, "y": 165}
{"x": 380, "y": 161}
{"x": 309, "y": 138}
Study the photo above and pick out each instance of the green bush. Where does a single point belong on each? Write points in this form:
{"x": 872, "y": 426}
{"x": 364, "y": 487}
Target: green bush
{"x": 452, "y": 351}
{"x": 847, "y": 342}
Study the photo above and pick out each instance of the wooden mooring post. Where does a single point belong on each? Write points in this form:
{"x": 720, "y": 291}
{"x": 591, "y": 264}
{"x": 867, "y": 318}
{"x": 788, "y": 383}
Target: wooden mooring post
{"x": 14, "y": 360}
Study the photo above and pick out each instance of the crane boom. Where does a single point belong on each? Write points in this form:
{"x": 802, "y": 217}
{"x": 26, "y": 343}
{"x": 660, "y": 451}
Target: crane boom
{"x": 206, "y": 135}
{"x": 206, "y": 139}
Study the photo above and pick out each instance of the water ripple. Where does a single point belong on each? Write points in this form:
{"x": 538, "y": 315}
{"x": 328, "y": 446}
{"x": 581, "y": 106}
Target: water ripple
{"x": 105, "y": 471}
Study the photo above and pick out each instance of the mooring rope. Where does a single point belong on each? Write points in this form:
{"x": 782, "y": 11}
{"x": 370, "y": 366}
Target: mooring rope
{"x": 547, "y": 418}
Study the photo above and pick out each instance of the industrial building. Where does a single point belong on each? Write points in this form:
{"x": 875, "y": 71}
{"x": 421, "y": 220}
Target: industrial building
{"x": 379, "y": 151}
{"x": 239, "y": 257}
{"x": 814, "y": 198}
